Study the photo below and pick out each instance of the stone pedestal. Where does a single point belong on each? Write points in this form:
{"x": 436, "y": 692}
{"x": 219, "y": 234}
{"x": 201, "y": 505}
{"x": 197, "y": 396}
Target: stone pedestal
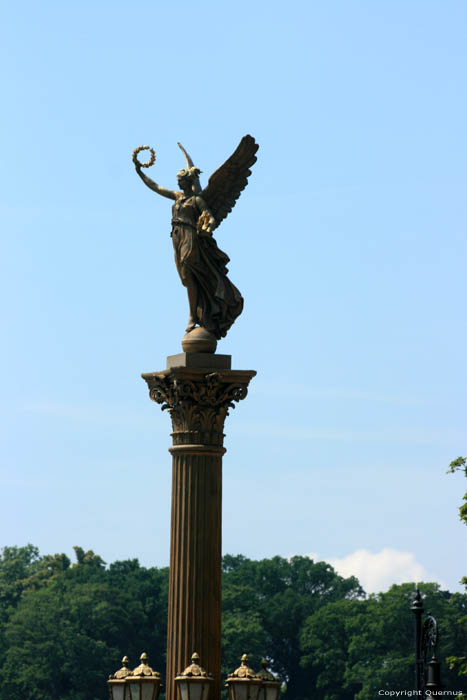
{"x": 198, "y": 400}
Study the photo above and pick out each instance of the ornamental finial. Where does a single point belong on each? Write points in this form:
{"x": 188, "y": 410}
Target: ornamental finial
{"x": 194, "y": 669}
{"x": 264, "y": 674}
{"x": 124, "y": 671}
{"x": 243, "y": 671}
{"x": 144, "y": 668}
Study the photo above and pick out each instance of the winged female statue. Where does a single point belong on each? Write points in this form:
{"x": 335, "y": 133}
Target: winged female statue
{"x": 214, "y": 300}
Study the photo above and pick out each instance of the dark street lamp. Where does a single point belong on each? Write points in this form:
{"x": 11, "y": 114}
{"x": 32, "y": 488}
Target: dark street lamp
{"x": 427, "y": 667}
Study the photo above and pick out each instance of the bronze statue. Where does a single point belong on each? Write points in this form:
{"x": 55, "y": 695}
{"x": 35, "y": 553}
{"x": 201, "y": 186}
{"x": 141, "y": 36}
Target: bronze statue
{"x": 214, "y": 300}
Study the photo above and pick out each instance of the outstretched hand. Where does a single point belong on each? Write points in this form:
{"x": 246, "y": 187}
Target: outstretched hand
{"x": 138, "y": 163}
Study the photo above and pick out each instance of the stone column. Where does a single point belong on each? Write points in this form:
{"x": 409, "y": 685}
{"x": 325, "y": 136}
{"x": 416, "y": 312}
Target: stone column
{"x": 198, "y": 399}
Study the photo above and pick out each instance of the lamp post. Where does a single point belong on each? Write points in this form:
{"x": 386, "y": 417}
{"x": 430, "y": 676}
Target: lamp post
{"x": 194, "y": 683}
{"x": 427, "y": 667}
{"x": 243, "y": 683}
{"x": 417, "y": 609}
{"x": 432, "y": 675}
{"x": 270, "y": 685}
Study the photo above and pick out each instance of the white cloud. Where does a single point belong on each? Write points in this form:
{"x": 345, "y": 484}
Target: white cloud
{"x": 377, "y": 572}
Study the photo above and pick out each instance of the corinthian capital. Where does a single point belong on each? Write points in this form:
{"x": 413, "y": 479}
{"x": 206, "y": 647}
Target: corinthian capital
{"x": 198, "y": 400}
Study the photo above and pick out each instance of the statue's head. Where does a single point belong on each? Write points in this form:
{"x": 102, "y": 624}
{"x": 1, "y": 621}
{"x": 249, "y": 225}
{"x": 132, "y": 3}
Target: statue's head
{"x": 187, "y": 177}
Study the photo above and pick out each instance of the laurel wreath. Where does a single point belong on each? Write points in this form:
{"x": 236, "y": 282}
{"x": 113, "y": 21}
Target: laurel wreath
{"x": 150, "y": 162}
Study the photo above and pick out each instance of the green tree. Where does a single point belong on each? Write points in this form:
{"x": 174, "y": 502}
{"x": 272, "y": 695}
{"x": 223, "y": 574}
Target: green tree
{"x": 16, "y": 566}
{"x": 460, "y": 662}
{"x": 381, "y": 655}
{"x": 65, "y": 635}
{"x": 325, "y": 640}
{"x": 275, "y": 597}
{"x": 359, "y": 648}
{"x": 460, "y": 464}
{"x": 65, "y": 627}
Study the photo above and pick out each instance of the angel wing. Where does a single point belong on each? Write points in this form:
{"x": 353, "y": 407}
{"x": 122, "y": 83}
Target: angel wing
{"x": 228, "y": 181}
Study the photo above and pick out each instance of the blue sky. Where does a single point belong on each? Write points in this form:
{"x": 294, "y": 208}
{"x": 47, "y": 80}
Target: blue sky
{"x": 349, "y": 246}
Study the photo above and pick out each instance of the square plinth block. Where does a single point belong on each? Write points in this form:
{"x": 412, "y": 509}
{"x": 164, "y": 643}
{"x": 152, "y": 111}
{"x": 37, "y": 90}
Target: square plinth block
{"x": 199, "y": 360}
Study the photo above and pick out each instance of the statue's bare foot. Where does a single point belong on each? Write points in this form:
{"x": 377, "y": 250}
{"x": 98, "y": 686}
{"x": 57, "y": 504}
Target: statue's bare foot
{"x": 191, "y": 325}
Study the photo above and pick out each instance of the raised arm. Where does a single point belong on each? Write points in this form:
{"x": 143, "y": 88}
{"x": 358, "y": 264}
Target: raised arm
{"x": 154, "y": 186}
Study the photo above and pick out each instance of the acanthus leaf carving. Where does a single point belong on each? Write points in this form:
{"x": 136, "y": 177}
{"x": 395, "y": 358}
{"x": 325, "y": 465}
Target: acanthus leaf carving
{"x": 198, "y": 406}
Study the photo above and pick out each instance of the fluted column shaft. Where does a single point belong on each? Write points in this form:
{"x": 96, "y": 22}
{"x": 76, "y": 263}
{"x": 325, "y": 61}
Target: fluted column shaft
{"x": 195, "y": 563}
{"x": 198, "y": 401}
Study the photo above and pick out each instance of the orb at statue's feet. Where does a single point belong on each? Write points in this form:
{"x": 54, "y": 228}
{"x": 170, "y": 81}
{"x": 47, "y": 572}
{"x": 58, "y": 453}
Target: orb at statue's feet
{"x": 199, "y": 340}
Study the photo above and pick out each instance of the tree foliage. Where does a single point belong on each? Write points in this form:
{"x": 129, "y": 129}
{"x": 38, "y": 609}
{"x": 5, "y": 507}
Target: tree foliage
{"x": 64, "y": 627}
{"x": 359, "y": 648}
{"x": 460, "y": 464}
{"x": 274, "y": 597}
{"x": 457, "y": 662}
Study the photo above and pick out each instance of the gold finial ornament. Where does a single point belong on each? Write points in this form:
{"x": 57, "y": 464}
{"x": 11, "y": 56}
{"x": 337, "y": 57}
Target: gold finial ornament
{"x": 194, "y": 682}
{"x": 144, "y": 668}
{"x": 270, "y": 684}
{"x": 243, "y": 683}
{"x": 243, "y": 671}
{"x": 194, "y": 669}
{"x": 118, "y": 687}
{"x": 264, "y": 673}
{"x": 148, "y": 163}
